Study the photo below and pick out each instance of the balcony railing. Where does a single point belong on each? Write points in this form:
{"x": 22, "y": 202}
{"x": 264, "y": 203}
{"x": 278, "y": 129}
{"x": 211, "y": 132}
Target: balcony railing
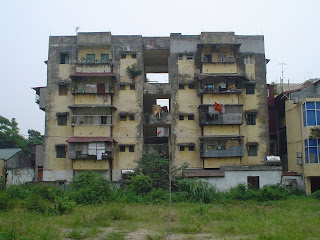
{"x": 91, "y": 120}
{"x": 229, "y": 59}
{"x": 234, "y": 151}
{"x": 231, "y": 115}
{"x": 218, "y": 90}
{"x": 106, "y": 155}
{"x": 89, "y": 61}
{"x": 162, "y": 118}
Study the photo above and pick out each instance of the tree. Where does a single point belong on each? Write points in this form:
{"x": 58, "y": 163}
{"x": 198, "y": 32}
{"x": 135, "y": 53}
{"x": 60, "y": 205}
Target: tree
{"x": 9, "y": 135}
{"x": 34, "y": 137}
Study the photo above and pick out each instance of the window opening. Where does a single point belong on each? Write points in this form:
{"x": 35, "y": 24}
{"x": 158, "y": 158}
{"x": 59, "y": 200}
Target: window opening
{"x": 180, "y": 56}
{"x": 122, "y": 148}
{"x": 249, "y": 59}
{"x": 63, "y": 89}
{"x": 189, "y": 56}
{"x": 252, "y": 150}
{"x": 251, "y": 118}
{"x": 132, "y": 87}
{"x": 181, "y": 86}
{"x": 191, "y": 148}
{"x": 181, "y": 117}
{"x": 131, "y": 117}
{"x": 221, "y": 57}
{"x": 134, "y": 56}
{"x": 62, "y": 120}
{"x": 64, "y": 58}
{"x": 131, "y": 148}
{"x": 123, "y": 56}
{"x": 191, "y": 86}
{"x": 311, "y": 114}
{"x": 122, "y": 87}
{"x": 181, "y": 148}
{"x": 103, "y": 120}
{"x": 157, "y": 77}
{"x": 164, "y": 103}
{"x": 253, "y": 182}
{"x": 60, "y": 151}
{"x": 104, "y": 58}
{"x": 123, "y": 117}
{"x": 91, "y": 58}
{"x": 191, "y": 117}
{"x": 250, "y": 88}
{"x": 207, "y": 58}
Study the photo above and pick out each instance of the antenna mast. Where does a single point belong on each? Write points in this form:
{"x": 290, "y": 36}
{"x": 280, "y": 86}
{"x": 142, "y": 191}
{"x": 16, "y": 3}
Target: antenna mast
{"x": 281, "y": 79}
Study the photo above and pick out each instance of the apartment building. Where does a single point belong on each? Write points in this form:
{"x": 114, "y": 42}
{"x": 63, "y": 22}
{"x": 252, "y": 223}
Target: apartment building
{"x": 298, "y": 113}
{"x": 211, "y": 106}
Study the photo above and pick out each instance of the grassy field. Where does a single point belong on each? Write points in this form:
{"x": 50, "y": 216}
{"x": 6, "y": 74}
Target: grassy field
{"x": 293, "y": 218}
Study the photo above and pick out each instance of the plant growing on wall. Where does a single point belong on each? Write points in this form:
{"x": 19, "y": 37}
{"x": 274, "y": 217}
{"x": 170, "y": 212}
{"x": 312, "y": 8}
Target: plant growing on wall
{"x": 133, "y": 71}
{"x": 315, "y": 132}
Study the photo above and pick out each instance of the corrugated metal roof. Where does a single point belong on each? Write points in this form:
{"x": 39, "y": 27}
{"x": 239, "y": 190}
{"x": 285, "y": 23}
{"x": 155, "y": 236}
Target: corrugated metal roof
{"x": 202, "y": 173}
{"x": 7, "y": 153}
{"x": 89, "y": 139}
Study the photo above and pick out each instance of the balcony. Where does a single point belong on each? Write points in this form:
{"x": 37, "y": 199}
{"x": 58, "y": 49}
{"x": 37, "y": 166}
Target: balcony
{"x": 161, "y": 149}
{"x": 91, "y": 120}
{"x": 230, "y": 115}
{"x": 221, "y": 146}
{"x": 160, "y": 119}
{"x": 229, "y": 59}
{"x": 156, "y": 88}
{"x": 98, "y": 66}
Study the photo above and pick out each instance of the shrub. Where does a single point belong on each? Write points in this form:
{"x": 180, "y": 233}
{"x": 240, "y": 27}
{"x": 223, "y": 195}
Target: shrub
{"x": 90, "y": 188}
{"x": 197, "y": 190}
{"x": 18, "y": 192}
{"x": 158, "y": 195}
{"x": 271, "y": 193}
{"x": 45, "y": 191}
{"x": 5, "y": 201}
{"x": 140, "y": 184}
{"x": 35, "y": 204}
{"x": 63, "y": 205}
{"x": 316, "y": 194}
{"x": 2, "y": 184}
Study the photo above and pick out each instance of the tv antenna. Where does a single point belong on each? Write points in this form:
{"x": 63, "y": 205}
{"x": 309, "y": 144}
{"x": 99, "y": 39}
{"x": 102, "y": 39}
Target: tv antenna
{"x": 77, "y": 28}
{"x": 281, "y": 80}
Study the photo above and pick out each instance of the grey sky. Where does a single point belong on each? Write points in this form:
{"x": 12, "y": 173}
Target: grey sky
{"x": 290, "y": 28}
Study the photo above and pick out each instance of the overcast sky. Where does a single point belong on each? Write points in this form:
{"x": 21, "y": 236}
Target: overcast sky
{"x": 291, "y": 30}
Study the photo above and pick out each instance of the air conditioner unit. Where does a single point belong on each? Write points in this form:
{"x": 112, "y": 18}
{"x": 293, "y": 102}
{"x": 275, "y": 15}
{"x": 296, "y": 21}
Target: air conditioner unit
{"x": 126, "y": 48}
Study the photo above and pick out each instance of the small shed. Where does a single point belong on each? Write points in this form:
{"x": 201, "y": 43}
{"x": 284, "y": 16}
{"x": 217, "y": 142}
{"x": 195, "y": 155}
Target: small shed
{"x": 16, "y": 167}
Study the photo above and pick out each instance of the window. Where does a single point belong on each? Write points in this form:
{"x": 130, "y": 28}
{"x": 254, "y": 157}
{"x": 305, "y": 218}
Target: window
{"x": 181, "y": 86}
{"x": 251, "y": 118}
{"x": 122, "y": 87}
{"x": 312, "y": 148}
{"x": 207, "y": 58}
{"x": 249, "y": 59}
{"x": 122, "y": 148}
{"x": 104, "y": 58}
{"x": 63, "y": 89}
{"x": 311, "y": 114}
{"x": 131, "y": 148}
{"x": 252, "y": 150}
{"x": 123, "y": 117}
{"x": 189, "y": 56}
{"x": 60, "y": 151}
{"x": 191, "y": 148}
{"x": 62, "y": 120}
{"x": 103, "y": 120}
{"x": 191, "y": 86}
{"x": 132, "y": 87}
{"x": 180, "y": 56}
{"x": 64, "y": 58}
{"x": 123, "y": 56}
{"x": 90, "y": 58}
{"x": 181, "y": 148}
{"x": 221, "y": 57}
{"x": 253, "y": 182}
{"x": 250, "y": 88}
{"x": 181, "y": 117}
{"x": 134, "y": 55}
{"x": 131, "y": 117}
{"x": 191, "y": 117}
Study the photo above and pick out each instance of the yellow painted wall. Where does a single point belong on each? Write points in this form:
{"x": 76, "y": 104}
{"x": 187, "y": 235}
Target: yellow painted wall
{"x": 217, "y": 162}
{"x": 190, "y": 157}
{"x": 250, "y": 71}
{"x": 221, "y": 98}
{"x": 92, "y": 131}
{"x": 94, "y": 99}
{"x": 124, "y": 63}
{"x": 219, "y": 68}
{"x": 65, "y": 70}
{"x": 188, "y": 100}
{"x": 90, "y": 164}
{"x": 127, "y": 160}
{"x": 186, "y": 67}
{"x": 221, "y": 130}
{"x": 90, "y": 68}
{"x": 82, "y": 54}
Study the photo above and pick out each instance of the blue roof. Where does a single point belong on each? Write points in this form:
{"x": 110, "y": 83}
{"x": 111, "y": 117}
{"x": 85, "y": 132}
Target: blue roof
{"x": 7, "y": 153}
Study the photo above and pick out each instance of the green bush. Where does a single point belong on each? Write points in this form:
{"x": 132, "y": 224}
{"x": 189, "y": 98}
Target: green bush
{"x": 2, "y": 184}
{"x": 271, "y": 193}
{"x": 35, "y": 204}
{"x": 197, "y": 190}
{"x": 140, "y": 184}
{"x": 90, "y": 187}
{"x": 316, "y": 194}
{"x": 45, "y": 191}
{"x": 63, "y": 205}
{"x": 18, "y": 192}
{"x": 158, "y": 195}
{"x": 5, "y": 201}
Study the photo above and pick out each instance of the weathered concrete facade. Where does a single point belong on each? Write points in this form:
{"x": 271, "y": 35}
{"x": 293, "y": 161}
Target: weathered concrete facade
{"x": 99, "y": 117}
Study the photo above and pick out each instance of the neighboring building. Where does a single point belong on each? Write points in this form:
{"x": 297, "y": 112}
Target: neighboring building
{"x": 15, "y": 166}
{"x": 299, "y": 111}
{"x": 100, "y": 118}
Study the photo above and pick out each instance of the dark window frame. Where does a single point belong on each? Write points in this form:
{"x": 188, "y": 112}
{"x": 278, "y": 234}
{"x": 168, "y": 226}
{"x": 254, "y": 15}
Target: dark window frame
{"x": 181, "y": 148}
{"x": 62, "y": 119}
{"x": 252, "y": 150}
{"x": 123, "y": 56}
{"x": 122, "y": 148}
{"x": 191, "y": 148}
{"x": 122, "y": 117}
{"x": 181, "y": 117}
{"x": 104, "y": 57}
{"x": 131, "y": 148}
{"x": 132, "y": 87}
{"x": 64, "y": 58}
{"x": 131, "y": 117}
{"x": 250, "y": 88}
{"x": 251, "y": 119}
{"x": 63, "y": 90}
{"x": 253, "y": 182}
{"x": 133, "y": 55}
{"x": 190, "y": 117}
{"x": 61, "y": 151}
{"x": 181, "y": 86}
{"x": 191, "y": 86}
{"x": 122, "y": 87}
